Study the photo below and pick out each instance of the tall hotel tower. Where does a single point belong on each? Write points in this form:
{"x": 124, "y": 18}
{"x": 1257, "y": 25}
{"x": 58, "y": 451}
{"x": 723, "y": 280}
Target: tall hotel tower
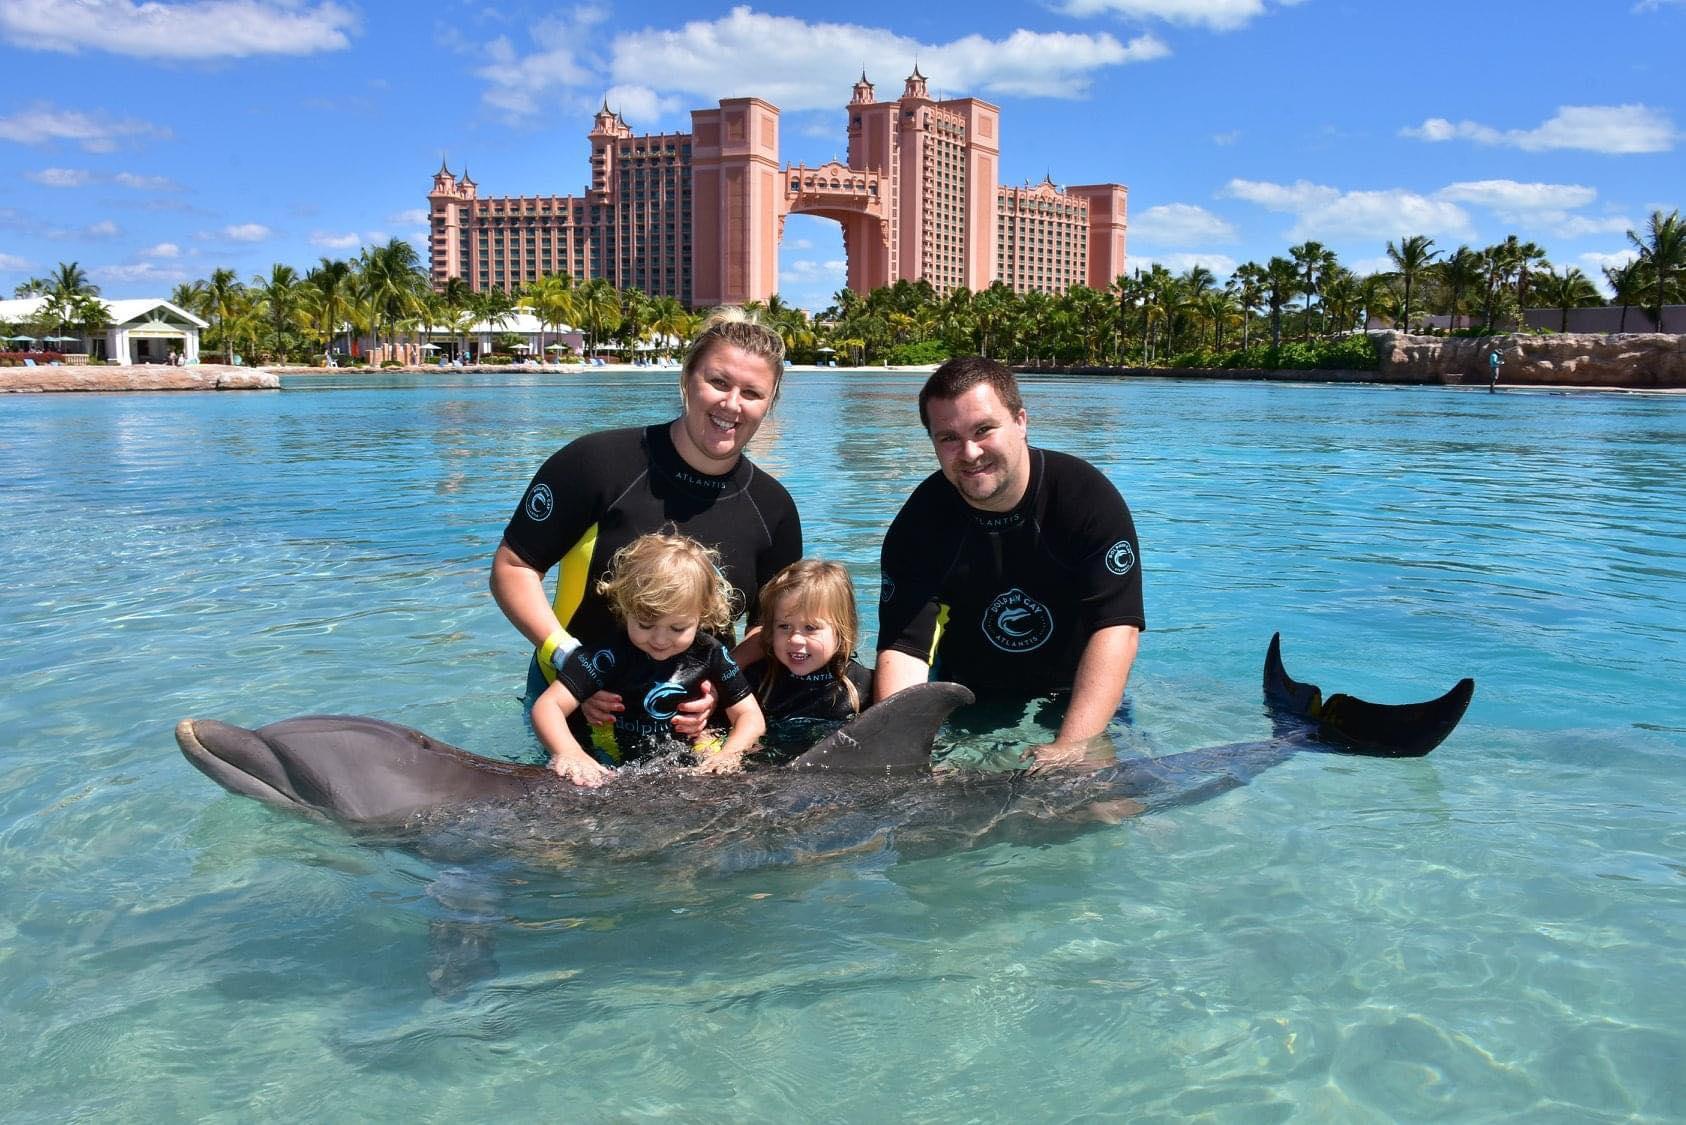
{"x": 698, "y": 215}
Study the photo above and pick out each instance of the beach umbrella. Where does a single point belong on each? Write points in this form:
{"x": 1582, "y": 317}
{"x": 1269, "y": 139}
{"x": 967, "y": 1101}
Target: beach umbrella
{"x": 523, "y": 347}
{"x": 430, "y": 347}
{"x": 21, "y": 339}
{"x": 60, "y": 339}
{"x": 556, "y": 347}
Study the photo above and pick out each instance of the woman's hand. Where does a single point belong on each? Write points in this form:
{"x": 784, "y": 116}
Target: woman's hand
{"x": 692, "y": 716}
{"x": 601, "y": 707}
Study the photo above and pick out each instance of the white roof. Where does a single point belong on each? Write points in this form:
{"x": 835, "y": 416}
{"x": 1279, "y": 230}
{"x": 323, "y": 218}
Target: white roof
{"x": 126, "y": 311}
{"x": 520, "y": 322}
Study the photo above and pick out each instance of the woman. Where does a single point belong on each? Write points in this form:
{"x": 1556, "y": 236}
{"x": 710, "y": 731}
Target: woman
{"x": 601, "y": 491}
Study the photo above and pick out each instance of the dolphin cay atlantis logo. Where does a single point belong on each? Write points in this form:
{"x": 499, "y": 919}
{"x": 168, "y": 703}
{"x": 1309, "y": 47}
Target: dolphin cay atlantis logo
{"x": 1017, "y": 622}
{"x": 540, "y": 503}
{"x": 1120, "y": 557}
{"x": 662, "y": 701}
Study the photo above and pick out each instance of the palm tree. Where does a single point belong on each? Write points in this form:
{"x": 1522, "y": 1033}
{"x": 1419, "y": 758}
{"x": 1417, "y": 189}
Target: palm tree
{"x": 34, "y": 287}
{"x": 1627, "y": 284}
{"x": 551, "y": 299}
{"x": 90, "y": 315}
{"x": 1662, "y": 254}
{"x": 222, "y": 294}
{"x": 1249, "y": 291}
{"x": 71, "y": 280}
{"x": 283, "y": 303}
{"x": 391, "y": 279}
{"x": 1570, "y": 289}
{"x": 1411, "y": 257}
{"x": 670, "y": 321}
{"x": 1461, "y": 273}
{"x": 331, "y": 284}
{"x": 599, "y": 309}
{"x": 1281, "y": 282}
{"x": 1315, "y": 261}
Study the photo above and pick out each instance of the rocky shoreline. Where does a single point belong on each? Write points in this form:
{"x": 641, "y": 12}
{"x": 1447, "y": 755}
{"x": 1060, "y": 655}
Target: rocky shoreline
{"x": 144, "y": 377}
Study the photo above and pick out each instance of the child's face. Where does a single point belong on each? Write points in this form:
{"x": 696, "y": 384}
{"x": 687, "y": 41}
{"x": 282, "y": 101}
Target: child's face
{"x": 801, "y": 642}
{"x": 664, "y": 636}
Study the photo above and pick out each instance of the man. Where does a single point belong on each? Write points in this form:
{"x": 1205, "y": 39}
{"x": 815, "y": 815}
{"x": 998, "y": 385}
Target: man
{"x": 1013, "y": 570}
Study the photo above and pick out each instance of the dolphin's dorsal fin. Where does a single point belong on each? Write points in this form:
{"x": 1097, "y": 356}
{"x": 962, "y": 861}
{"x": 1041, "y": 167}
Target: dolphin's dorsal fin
{"x": 893, "y": 736}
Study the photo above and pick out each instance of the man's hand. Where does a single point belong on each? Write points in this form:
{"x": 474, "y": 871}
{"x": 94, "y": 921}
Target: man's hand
{"x": 1089, "y": 754}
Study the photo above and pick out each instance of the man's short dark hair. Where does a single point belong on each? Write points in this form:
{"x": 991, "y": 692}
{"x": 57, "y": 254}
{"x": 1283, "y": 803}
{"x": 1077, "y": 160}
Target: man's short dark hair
{"x": 960, "y": 375}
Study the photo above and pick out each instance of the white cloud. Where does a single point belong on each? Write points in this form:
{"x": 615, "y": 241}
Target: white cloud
{"x": 194, "y": 29}
{"x": 1217, "y": 15}
{"x": 246, "y": 232}
{"x": 162, "y": 250}
{"x": 411, "y": 216}
{"x": 1508, "y": 197}
{"x": 1228, "y": 138}
{"x": 145, "y": 183}
{"x": 42, "y": 123}
{"x": 800, "y": 65}
{"x": 59, "y": 177}
{"x": 105, "y": 228}
{"x": 1542, "y": 206}
{"x": 329, "y": 241}
{"x": 832, "y": 270}
{"x": 13, "y": 262}
{"x": 1596, "y": 263}
{"x": 517, "y": 83}
{"x": 1611, "y": 129}
{"x": 1221, "y": 265}
{"x": 640, "y": 103}
{"x": 1327, "y": 213}
{"x": 137, "y": 272}
{"x": 1179, "y": 223}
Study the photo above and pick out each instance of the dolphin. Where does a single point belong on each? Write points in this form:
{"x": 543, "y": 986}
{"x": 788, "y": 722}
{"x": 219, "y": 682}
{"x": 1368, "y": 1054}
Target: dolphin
{"x": 868, "y": 785}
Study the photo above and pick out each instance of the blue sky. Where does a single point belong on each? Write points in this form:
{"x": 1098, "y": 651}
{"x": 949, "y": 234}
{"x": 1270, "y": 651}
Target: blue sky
{"x": 155, "y": 142}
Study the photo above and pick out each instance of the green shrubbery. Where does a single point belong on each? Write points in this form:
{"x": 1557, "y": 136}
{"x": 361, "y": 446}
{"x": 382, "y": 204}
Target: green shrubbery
{"x": 1348, "y": 353}
{"x": 925, "y": 351}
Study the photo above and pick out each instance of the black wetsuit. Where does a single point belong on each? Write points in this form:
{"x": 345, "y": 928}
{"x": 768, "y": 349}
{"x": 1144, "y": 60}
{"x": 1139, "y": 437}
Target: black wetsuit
{"x": 651, "y": 689}
{"x": 801, "y": 710}
{"x": 600, "y": 492}
{"x": 1006, "y": 602}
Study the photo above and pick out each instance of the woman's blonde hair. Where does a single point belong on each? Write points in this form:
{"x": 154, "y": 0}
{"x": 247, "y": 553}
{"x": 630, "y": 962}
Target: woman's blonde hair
{"x": 666, "y": 573}
{"x": 822, "y": 592}
{"x": 740, "y": 328}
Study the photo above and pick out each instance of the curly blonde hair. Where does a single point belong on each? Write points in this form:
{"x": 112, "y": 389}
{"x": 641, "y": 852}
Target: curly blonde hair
{"x": 666, "y": 573}
{"x": 739, "y": 328}
{"x": 822, "y": 591}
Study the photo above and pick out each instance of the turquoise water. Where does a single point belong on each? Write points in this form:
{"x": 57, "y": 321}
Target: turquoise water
{"x": 1490, "y": 933}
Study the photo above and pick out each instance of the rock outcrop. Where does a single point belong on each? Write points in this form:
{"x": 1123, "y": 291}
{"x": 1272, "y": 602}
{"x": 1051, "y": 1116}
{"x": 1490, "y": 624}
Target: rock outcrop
{"x": 148, "y": 377}
{"x": 1627, "y": 360}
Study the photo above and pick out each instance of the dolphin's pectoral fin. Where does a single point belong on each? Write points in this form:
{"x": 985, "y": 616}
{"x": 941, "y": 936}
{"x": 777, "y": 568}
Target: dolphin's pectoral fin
{"x": 891, "y": 736}
{"x": 1347, "y": 724}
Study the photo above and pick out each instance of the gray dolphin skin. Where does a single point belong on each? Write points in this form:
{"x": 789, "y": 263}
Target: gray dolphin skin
{"x": 868, "y": 785}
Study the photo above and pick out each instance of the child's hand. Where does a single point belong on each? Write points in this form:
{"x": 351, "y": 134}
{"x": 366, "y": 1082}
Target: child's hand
{"x": 720, "y": 761}
{"x": 581, "y": 770}
{"x": 692, "y": 715}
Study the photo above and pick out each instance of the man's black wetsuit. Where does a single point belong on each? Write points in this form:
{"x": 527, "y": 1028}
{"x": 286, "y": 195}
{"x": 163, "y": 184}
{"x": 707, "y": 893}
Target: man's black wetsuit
{"x": 1005, "y": 602}
{"x": 602, "y": 491}
{"x": 652, "y": 689}
{"x": 801, "y": 710}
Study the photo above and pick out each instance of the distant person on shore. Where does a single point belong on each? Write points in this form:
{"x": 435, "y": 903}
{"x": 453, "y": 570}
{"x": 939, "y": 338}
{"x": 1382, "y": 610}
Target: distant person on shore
{"x": 1012, "y": 570}
{"x": 1495, "y": 360}
{"x": 603, "y": 490}
{"x": 663, "y": 590}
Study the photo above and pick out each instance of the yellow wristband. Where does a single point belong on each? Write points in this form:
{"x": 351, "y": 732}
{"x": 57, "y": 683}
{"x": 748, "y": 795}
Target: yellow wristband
{"x": 560, "y": 640}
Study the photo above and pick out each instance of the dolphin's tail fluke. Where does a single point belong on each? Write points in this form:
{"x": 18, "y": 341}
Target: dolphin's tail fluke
{"x": 1347, "y": 724}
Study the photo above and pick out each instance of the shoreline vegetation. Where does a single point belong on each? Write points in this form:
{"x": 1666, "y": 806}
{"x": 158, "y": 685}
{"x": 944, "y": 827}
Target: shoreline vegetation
{"x": 1303, "y": 312}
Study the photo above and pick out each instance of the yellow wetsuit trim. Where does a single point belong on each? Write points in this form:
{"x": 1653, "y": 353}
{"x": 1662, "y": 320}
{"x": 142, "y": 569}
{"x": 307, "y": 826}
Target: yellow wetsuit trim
{"x": 937, "y": 633}
{"x": 570, "y": 592}
{"x": 603, "y": 737}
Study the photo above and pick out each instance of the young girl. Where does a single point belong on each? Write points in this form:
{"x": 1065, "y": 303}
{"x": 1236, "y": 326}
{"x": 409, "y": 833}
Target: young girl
{"x": 663, "y": 589}
{"x": 809, "y": 627}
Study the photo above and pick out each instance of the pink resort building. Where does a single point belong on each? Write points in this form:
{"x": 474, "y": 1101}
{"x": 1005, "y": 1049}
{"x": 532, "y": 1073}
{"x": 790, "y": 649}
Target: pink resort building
{"x": 699, "y": 215}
